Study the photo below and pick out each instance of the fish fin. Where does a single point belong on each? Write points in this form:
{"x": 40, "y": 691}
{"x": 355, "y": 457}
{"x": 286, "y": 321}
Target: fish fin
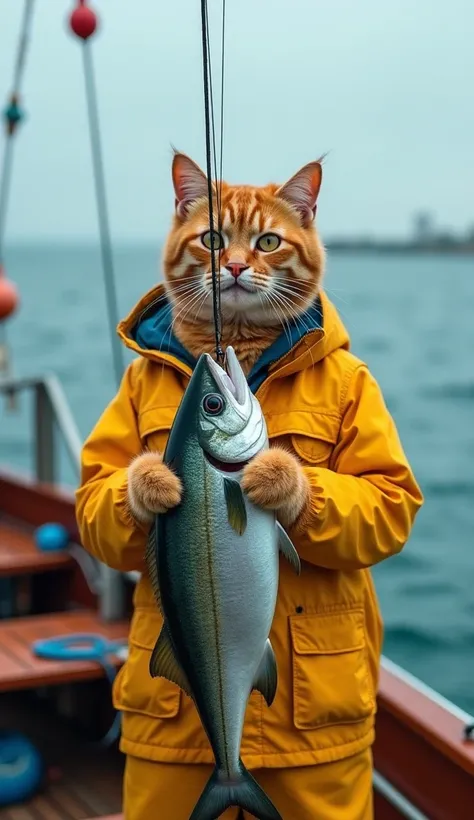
{"x": 242, "y": 791}
{"x": 267, "y": 675}
{"x": 151, "y": 564}
{"x": 163, "y": 663}
{"x": 236, "y": 510}
{"x": 288, "y": 549}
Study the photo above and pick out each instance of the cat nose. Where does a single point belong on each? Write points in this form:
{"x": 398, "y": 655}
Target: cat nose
{"x": 236, "y": 268}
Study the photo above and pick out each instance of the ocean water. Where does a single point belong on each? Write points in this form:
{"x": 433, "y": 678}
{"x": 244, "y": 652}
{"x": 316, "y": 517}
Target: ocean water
{"x": 410, "y": 319}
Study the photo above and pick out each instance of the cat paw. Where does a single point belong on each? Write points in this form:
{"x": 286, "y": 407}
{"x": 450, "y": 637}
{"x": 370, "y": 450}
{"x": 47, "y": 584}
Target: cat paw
{"x": 152, "y": 487}
{"x": 275, "y": 480}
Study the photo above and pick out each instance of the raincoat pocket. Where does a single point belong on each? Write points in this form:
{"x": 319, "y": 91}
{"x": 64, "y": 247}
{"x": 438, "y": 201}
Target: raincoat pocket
{"x": 314, "y": 451}
{"x": 154, "y": 425}
{"x": 134, "y": 688}
{"x": 315, "y": 445}
{"x": 331, "y": 681}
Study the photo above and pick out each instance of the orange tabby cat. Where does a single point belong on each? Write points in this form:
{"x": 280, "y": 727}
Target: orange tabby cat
{"x": 270, "y": 264}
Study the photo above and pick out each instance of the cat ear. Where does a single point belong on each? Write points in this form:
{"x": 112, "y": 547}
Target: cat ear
{"x": 301, "y": 191}
{"x": 190, "y": 183}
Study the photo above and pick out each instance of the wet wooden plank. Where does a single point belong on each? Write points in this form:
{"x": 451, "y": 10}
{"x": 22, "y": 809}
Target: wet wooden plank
{"x": 21, "y": 669}
{"x": 31, "y": 503}
{"x": 67, "y": 804}
{"x": 88, "y": 777}
{"x": 43, "y": 807}
{"x": 94, "y": 800}
{"x": 20, "y": 556}
{"x": 18, "y": 813}
{"x": 27, "y": 500}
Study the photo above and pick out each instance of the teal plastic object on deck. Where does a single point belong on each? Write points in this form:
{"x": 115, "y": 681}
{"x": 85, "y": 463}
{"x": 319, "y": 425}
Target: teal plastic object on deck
{"x": 50, "y": 537}
{"x": 21, "y": 768}
{"x": 85, "y": 647}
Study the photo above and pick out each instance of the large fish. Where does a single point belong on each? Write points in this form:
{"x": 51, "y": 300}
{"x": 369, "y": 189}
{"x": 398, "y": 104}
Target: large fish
{"x": 213, "y": 563}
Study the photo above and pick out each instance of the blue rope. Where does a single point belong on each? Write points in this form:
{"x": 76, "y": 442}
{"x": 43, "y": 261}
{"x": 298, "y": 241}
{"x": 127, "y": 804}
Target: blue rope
{"x": 84, "y": 647}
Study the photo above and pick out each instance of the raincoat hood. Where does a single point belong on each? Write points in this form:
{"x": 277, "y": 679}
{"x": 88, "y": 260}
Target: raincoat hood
{"x": 148, "y": 331}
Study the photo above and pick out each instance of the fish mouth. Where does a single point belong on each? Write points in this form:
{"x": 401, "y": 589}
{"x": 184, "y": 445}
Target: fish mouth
{"x": 233, "y": 381}
{"x": 226, "y": 466}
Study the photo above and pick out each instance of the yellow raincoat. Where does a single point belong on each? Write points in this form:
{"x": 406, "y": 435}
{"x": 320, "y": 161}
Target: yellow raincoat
{"x": 322, "y": 402}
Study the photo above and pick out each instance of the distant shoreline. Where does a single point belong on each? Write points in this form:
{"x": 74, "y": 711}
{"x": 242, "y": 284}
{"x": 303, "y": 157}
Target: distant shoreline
{"x": 400, "y": 248}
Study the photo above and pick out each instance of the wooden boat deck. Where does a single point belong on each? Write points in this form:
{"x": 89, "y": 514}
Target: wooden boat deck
{"x": 21, "y": 669}
{"x": 20, "y": 556}
{"x": 88, "y": 781}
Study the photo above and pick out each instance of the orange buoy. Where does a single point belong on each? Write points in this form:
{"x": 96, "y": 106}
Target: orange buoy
{"x": 8, "y": 296}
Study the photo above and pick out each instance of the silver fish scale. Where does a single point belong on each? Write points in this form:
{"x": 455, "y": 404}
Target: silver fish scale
{"x": 219, "y": 590}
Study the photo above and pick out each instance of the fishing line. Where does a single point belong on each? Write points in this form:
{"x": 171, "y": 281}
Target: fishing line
{"x": 210, "y": 156}
{"x": 221, "y": 138}
{"x": 221, "y": 142}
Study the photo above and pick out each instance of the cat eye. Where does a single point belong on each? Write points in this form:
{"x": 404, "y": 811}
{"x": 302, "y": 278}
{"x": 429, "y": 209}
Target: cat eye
{"x": 268, "y": 242}
{"x": 213, "y": 404}
{"x": 211, "y": 238}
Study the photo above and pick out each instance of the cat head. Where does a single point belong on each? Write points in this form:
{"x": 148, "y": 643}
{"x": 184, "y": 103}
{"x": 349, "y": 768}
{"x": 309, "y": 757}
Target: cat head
{"x": 268, "y": 254}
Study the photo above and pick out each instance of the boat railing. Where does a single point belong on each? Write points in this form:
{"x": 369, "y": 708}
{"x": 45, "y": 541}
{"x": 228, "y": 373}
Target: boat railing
{"x": 51, "y": 415}
{"x": 51, "y": 408}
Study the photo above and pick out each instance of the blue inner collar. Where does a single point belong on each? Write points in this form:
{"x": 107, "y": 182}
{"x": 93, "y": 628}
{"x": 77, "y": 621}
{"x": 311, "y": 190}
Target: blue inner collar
{"x": 153, "y": 331}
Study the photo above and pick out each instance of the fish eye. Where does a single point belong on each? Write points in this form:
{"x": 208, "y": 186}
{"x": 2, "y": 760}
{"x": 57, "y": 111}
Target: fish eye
{"x": 268, "y": 242}
{"x": 213, "y": 404}
{"x": 210, "y": 238}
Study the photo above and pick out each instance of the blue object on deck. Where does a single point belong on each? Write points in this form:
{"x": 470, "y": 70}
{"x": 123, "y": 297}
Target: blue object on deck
{"x": 51, "y": 537}
{"x": 21, "y": 768}
{"x": 84, "y": 647}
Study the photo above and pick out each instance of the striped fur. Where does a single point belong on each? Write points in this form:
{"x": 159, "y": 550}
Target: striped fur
{"x": 275, "y": 286}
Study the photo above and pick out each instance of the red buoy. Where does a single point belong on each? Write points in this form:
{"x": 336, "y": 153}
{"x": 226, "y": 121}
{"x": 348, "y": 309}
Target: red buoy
{"x": 8, "y": 296}
{"x": 83, "y": 21}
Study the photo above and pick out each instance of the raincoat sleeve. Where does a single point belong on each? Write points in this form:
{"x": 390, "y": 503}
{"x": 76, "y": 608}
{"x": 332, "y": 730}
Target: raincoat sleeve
{"x": 106, "y": 526}
{"x": 362, "y": 510}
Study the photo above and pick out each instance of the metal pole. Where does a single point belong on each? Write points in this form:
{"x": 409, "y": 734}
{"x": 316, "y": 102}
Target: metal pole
{"x": 112, "y": 599}
{"x": 104, "y": 230}
{"x": 6, "y": 176}
{"x": 65, "y": 420}
{"x": 44, "y": 436}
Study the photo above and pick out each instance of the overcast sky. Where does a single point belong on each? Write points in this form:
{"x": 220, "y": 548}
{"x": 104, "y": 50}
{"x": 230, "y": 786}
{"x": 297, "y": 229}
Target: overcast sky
{"x": 386, "y": 86}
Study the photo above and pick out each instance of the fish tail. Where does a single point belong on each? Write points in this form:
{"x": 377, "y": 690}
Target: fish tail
{"x": 242, "y": 791}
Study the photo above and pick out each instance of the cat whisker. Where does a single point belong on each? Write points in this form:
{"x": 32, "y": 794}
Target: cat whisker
{"x": 189, "y": 304}
{"x": 298, "y": 287}
{"x": 185, "y": 306}
{"x": 289, "y": 304}
{"x": 280, "y": 316}
{"x": 289, "y": 280}
{"x": 335, "y": 294}
{"x": 296, "y": 295}
{"x": 168, "y": 332}
{"x": 189, "y": 285}
{"x": 286, "y": 303}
